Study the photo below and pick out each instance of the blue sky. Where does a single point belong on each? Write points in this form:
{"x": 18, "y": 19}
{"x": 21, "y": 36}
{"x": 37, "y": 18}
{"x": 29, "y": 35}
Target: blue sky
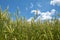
{"x": 28, "y": 7}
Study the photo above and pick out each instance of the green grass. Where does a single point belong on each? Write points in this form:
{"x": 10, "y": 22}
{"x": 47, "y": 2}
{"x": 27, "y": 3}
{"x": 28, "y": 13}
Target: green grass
{"x": 20, "y": 29}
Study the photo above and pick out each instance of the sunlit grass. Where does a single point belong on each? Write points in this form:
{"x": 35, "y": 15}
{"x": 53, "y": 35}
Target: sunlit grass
{"x": 20, "y": 29}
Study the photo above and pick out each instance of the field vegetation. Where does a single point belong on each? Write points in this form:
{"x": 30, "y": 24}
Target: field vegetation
{"x": 21, "y": 29}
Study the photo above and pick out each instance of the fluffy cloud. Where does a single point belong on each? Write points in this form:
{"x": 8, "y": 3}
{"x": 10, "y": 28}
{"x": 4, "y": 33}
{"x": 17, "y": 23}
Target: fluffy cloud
{"x": 34, "y": 11}
{"x": 47, "y": 15}
{"x": 43, "y": 15}
{"x": 55, "y": 2}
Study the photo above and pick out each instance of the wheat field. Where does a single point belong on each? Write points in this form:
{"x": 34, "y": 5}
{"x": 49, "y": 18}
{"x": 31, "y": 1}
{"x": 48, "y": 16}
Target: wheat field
{"x": 20, "y": 29}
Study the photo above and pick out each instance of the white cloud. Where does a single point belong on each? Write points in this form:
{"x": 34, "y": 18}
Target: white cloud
{"x": 34, "y": 11}
{"x": 53, "y": 11}
{"x": 30, "y": 19}
{"x": 31, "y": 5}
{"x": 47, "y": 15}
{"x": 39, "y": 17}
{"x": 55, "y": 2}
{"x": 43, "y": 15}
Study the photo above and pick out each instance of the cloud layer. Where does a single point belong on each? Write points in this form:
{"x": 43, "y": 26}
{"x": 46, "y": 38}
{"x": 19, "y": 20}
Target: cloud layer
{"x": 55, "y": 2}
{"x": 43, "y": 15}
